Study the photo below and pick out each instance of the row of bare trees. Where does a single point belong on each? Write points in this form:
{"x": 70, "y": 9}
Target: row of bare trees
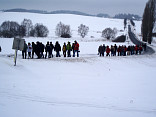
{"x": 9, "y": 29}
{"x": 64, "y": 31}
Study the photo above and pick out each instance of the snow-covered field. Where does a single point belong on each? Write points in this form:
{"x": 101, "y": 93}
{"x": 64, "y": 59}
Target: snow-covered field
{"x": 88, "y": 86}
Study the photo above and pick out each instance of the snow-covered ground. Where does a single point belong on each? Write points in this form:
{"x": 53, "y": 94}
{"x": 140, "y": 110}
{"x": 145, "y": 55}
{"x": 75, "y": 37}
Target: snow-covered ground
{"x": 88, "y": 86}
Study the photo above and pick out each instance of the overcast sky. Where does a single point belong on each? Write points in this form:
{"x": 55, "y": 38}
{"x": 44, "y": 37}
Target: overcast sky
{"x": 110, "y": 7}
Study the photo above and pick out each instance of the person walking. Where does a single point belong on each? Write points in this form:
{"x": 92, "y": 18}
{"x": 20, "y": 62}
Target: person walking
{"x": 64, "y": 49}
{"x": 128, "y": 50}
{"x": 136, "y": 49}
{"x": 104, "y": 49}
{"x": 69, "y": 49}
{"x": 73, "y": 46}
{"x": 57, "y": 48}
{"x": 115, "y": 49}
{"x": 112, "y": 50}
{"x": 47, "y": 49}
{"x": 33, "y": 49}
{"x": 29, "y": 50}
{"x": 76, "y": 48}
{"x": 51, "y": 49}
{"x": 140, "y": 49}
{"x": 24, "y": 51}
{"x": 42, "y": 47}
{"x": 119, "y": 50}
{"x": 107, "y": 51}
{"x": 101, "y": 50}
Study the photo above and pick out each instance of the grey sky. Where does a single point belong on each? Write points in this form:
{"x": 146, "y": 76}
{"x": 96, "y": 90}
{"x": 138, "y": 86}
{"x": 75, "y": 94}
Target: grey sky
{"x": 110, "y": 7}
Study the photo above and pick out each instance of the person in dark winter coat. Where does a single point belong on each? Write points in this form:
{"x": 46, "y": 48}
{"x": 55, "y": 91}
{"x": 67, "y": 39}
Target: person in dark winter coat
{"x": 115, "y": 49}
{"x": 42, "y": 47}
{"x": 119, "y": 51}
{"x": 47, "y": 49}
{"x": 69, "y": 49}
{"x": 24, "y": 51}
{"x": 144, "y": 46}
{"x": 140, "y": 49}
{"x": 101, "y": 50}
{"x": 132, "y": 50}
{"x": 104, "y": 49}
{"x": 64, "y": 49}
{"x": 128, "y": 50}
{"x": 0, "y": 49}
{"x": 112, "y": 50}
{"x": 33, "y": 49}
{"x": 38, "y": 50}
{"x": 51, "y": 49}
{"x": 125, "y": 50}
{"x": 122, "y": 50}
{"x": 57, "y": 48}
{"x": 73, "y": 46}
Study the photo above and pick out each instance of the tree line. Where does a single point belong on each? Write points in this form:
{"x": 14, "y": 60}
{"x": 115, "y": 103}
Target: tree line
{"x": 10, "y": 29}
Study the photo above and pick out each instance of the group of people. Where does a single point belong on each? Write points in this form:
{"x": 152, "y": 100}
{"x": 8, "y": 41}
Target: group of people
{"x": 121, "y": 50}
{"x": 39, "y": 48}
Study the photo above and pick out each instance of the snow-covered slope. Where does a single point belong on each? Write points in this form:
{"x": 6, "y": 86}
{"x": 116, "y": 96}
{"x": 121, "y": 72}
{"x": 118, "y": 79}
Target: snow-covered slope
{"x": 51, "y": 20}
{"x": 88, "y": 86}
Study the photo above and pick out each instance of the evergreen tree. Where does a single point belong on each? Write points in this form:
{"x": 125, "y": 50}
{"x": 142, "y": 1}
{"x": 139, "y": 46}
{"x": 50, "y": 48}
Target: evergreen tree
{"x": 148, "y": 21}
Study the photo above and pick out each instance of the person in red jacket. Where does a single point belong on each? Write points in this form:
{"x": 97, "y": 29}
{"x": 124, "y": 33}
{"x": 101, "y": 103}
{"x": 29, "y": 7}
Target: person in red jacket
{"x": 136, "y": 49}
{"x": 76, "y": 49}
{"x": 107, "y": 51}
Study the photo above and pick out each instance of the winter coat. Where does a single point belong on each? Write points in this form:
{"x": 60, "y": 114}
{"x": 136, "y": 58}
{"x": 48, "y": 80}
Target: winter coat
{"x": 25, "y": 47}
{"x": 57, "y": 47}
{"x": 51, "y": 46}
{"x": 42, "y": 47}
{"x": 73, "y": 46}
{"x": 76, "y": 46}
{"x": 112, "y": 49}
{"x": 136, "y": 48}
{"x": 29, "y": 48}
{"x": 101, "y": 49}
{"x": 64, "y": 48}
{"x": 48, "y": 48}
{"x": 140, "y": 48}
{"x": 69, "y": 48}
{"x": 119, "y": 49}
{"x": 34, "y": 47}
{"x": 107, "y": 50}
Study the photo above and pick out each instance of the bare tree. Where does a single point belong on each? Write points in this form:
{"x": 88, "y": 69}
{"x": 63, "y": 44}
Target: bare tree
{"x": 27, "y": 23}
{"x": 9, "y": 29}
{"x": 83, "y": 30}
{"x": 115, "y": 31}
{"x": 22, "y": 31}
{"x": 63, "y": 30}
{"x": 108, "y": 33}
{"x": 39, "y": 31}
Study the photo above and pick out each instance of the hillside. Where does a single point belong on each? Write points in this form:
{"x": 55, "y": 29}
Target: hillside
{"x": 85, "y": 86}
{"x": 51, "y": 20}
